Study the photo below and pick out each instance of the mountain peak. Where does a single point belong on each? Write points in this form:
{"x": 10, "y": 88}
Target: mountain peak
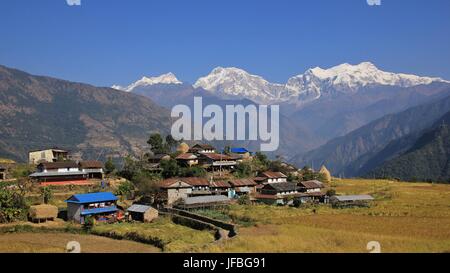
{"x": 168, "y": 78}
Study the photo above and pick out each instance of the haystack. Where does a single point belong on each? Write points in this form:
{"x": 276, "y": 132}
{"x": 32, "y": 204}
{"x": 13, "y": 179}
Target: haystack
{"x": 326, "y": 174}
{"x": 43, "y": 213}
{"x": 183, "y": 148}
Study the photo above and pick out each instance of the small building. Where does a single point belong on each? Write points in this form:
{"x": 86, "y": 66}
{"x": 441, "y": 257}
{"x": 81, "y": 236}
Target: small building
{"x": 100, "y": 205}
{"x": 271, "y": 177}
{"x": 142, "y": 213}
{"x": 175, "y": 189}
{"x": 215, "y": 161}
{"x": 221, "y": 188}
{"x": 65, "y": 171}
{"x": 245, "y": 186}
{"x": 239, "y": 150}
{"x": 341, "y": 201}
{"x": 48, "y": 155}
{"x": 311, "y": 186}
{"x": 202, "y": 149}
{"x": 280, "y": 193}
{"x": 187, "y": 159}
{"x": 94, "y": 169}
{"x": 203, "y": 202}
{"x": 157, "y": 158}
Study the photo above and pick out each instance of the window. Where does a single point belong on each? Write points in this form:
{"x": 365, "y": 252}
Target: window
{"x": 42, "y": 155}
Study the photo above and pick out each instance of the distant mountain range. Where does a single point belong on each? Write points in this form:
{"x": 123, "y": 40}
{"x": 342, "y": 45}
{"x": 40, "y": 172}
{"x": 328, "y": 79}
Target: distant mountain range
{"x": 321, "y": 104}
{"x": 235, "y": 83}
{"x": 41, "y": 112}
{"x": 367, "y": 148}
{"x": 353, "y": 118}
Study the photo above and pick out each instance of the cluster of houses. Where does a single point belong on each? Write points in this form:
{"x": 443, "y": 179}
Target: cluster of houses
{"x": 269, "y": 187}
{"x": 55, "y": 167}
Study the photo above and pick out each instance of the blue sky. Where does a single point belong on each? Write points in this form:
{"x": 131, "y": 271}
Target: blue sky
{"x": 104, "y": 42}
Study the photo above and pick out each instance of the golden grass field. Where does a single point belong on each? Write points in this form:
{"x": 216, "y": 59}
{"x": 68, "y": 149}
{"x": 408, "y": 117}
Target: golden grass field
{"x": 405, "y": 217}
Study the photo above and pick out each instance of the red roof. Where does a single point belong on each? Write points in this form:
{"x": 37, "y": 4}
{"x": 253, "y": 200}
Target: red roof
{"x": 192, "y": 181}
{"x": 218, "y": 157}
{"x": 91, "y": 164}
{"x": 269, "y": 174}
{"x": 59, "y": 165}
{"x": 313, "y": 184}
{"x": 243, "y": 182}
{"x": 220, "y": 184}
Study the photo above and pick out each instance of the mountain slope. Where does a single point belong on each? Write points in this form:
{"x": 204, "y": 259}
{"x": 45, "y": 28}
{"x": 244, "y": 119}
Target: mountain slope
{"x": 349, "y": 154}
{"x": 427, "y": 160}
{"x": 40, "y": 112}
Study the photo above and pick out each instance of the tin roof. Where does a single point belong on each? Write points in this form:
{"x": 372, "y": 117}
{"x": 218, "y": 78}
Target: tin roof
{"x": 313, "y": 184}
{"x": 47, "y": 174}
{"x": 239, "y": 150}
{"x": 95, "y": 197}
{"x": 139, "y": 208}
{"x": 206, "y": 199}
{"x": 242, "y": 182}
{"x": 187, "y": 156}
{"x": 269, "y": 174}
{"x": 343, "y": 198}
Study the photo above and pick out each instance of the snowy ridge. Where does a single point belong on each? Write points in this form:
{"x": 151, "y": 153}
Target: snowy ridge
{"x": 311, "y": 85}
{"x": 168, "y": 78}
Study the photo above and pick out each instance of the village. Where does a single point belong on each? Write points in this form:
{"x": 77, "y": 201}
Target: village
{"x": 153, "y": 186}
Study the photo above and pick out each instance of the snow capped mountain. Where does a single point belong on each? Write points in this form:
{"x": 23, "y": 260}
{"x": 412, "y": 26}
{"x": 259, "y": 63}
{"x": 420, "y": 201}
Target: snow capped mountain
{"x": 234, "y": 82}
{"x": 347, "y": 78}
{"x": 168, "y": 78}
{"x": 314, "y": 83}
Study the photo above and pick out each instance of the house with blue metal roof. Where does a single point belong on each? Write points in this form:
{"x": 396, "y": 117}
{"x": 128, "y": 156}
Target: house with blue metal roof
{"x": 100, "y": 205}
{"x": 239, "y": 150}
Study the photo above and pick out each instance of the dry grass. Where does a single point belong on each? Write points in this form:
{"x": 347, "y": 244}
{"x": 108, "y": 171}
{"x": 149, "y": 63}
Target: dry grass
{"x": 56, "y": 243}
{"x": 404, "y": 218}
{"x": 162, "y": 233}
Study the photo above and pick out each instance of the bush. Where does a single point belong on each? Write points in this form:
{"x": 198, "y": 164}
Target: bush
{"x": 331, "y": 192}
{"x": 244, "y": 200}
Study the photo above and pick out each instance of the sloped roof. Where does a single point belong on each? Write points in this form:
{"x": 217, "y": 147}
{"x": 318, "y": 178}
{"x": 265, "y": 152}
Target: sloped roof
{"x": 313, "y": 184}
{"x": 239, "y": 150}
{"x": 186, "y": 156}
{"x": 93, "y": 164}
{"x": 95, "y": 197}
{"x": 242, "y": 182}
{"x": 220, "y": 184}
{"x": 219, "y": 157}
{"x": 139, "y": 208}
{"x": 284, "y": 186}
{"x": 203, "y": 146}
{"x": 269, "y": 174}
{"x": 188, "y": 181}
{"x": 59, "y": 165}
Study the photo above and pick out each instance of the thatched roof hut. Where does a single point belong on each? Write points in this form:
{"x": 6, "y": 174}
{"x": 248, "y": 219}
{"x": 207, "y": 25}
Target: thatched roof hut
{"x": 43, "y": 212}
{"x": 326, "y": 174}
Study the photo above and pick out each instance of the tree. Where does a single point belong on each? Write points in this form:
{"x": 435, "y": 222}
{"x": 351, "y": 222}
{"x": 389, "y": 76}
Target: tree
{"x": 125, "y": 189}
{"x": 156, "y": 144}
{"x": 244, "y": 200}
{"x": 169, "y": 168}
{"x": 194, "y": 171}
{"x": 46, "y": 194}
{"x": 109, "y": 166}
{"x": 243, "y": 170}
{"x": 171, "y": 143}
